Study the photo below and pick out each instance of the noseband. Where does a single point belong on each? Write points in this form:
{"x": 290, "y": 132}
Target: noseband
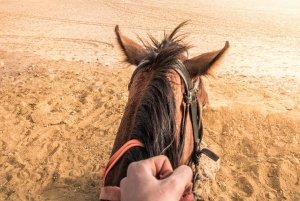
{"x": 193, "y": 110}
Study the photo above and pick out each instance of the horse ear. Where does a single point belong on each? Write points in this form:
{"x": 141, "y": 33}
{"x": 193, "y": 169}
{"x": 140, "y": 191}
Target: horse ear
{"x": 134, "y": 52}
{"x": 205, "y": 63}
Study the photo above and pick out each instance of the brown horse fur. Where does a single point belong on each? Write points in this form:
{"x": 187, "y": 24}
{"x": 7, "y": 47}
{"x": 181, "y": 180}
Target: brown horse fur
{"x": 155, "y": 104}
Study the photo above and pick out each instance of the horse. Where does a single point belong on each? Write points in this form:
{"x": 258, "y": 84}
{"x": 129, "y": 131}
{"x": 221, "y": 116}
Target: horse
{"x": 163, "y": 112}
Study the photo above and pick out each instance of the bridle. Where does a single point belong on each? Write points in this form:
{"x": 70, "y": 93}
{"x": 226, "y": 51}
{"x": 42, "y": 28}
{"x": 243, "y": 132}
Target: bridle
{"x": 193, "y": 110}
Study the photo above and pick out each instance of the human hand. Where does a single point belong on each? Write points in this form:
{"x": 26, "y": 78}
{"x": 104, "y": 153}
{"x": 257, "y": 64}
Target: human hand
{"x": 154, "y": 179}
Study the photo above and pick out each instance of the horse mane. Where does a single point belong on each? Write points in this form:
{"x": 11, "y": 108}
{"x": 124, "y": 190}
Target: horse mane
{"x": 155, "y": 124}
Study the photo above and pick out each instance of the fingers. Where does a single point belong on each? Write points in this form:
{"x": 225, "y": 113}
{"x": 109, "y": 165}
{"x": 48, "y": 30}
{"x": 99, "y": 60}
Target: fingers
{"x": 180, "y": 179}
{"x": 123, "y": 182}
{"x": 163, "y": 167}
{"x": 155, "y": 177}
{"x": 158, "y": 166}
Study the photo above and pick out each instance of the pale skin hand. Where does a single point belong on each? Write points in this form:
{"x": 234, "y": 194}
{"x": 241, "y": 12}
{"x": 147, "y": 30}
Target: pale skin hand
{"x": 142, "y": 181}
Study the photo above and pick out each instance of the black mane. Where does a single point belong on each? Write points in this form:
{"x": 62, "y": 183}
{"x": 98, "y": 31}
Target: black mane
{"x": 155, "y": 124}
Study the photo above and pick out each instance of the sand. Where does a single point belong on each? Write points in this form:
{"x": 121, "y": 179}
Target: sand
{"x": 63, "y": 89}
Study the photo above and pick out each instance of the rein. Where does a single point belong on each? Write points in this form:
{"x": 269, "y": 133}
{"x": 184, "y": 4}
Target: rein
{"x": 115, "y": 158}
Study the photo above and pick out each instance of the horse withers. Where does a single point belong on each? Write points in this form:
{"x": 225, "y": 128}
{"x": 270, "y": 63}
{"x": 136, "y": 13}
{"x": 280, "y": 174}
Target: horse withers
{"x": 163, "y": 112}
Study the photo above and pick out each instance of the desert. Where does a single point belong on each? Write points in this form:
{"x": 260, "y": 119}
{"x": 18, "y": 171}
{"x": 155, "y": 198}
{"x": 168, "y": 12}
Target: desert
{"x": 63, "y": 90}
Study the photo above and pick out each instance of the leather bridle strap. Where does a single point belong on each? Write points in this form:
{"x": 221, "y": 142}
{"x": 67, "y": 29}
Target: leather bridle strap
{"x": 192, "y": 107}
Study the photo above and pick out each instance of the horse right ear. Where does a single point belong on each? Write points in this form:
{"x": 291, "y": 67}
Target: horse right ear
{"x": 204, "y": 64}
{"x": 134, "y": 52}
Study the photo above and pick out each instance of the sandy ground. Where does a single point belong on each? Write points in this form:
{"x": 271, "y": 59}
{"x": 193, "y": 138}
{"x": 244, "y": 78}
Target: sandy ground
{"x": 63, "y": 90}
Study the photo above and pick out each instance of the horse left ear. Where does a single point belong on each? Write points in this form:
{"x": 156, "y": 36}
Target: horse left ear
{"x": 205, "y": 63}
{"x": 134, "y": 52}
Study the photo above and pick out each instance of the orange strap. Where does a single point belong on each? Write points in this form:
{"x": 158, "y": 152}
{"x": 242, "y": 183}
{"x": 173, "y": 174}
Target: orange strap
{"x": 115, "y": 158}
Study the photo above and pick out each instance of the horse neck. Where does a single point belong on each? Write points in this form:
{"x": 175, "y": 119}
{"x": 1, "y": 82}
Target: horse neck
{"x": 136, "y": 92}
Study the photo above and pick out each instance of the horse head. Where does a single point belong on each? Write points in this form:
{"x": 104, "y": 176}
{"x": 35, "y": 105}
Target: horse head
{"x": 161, "y": 89}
